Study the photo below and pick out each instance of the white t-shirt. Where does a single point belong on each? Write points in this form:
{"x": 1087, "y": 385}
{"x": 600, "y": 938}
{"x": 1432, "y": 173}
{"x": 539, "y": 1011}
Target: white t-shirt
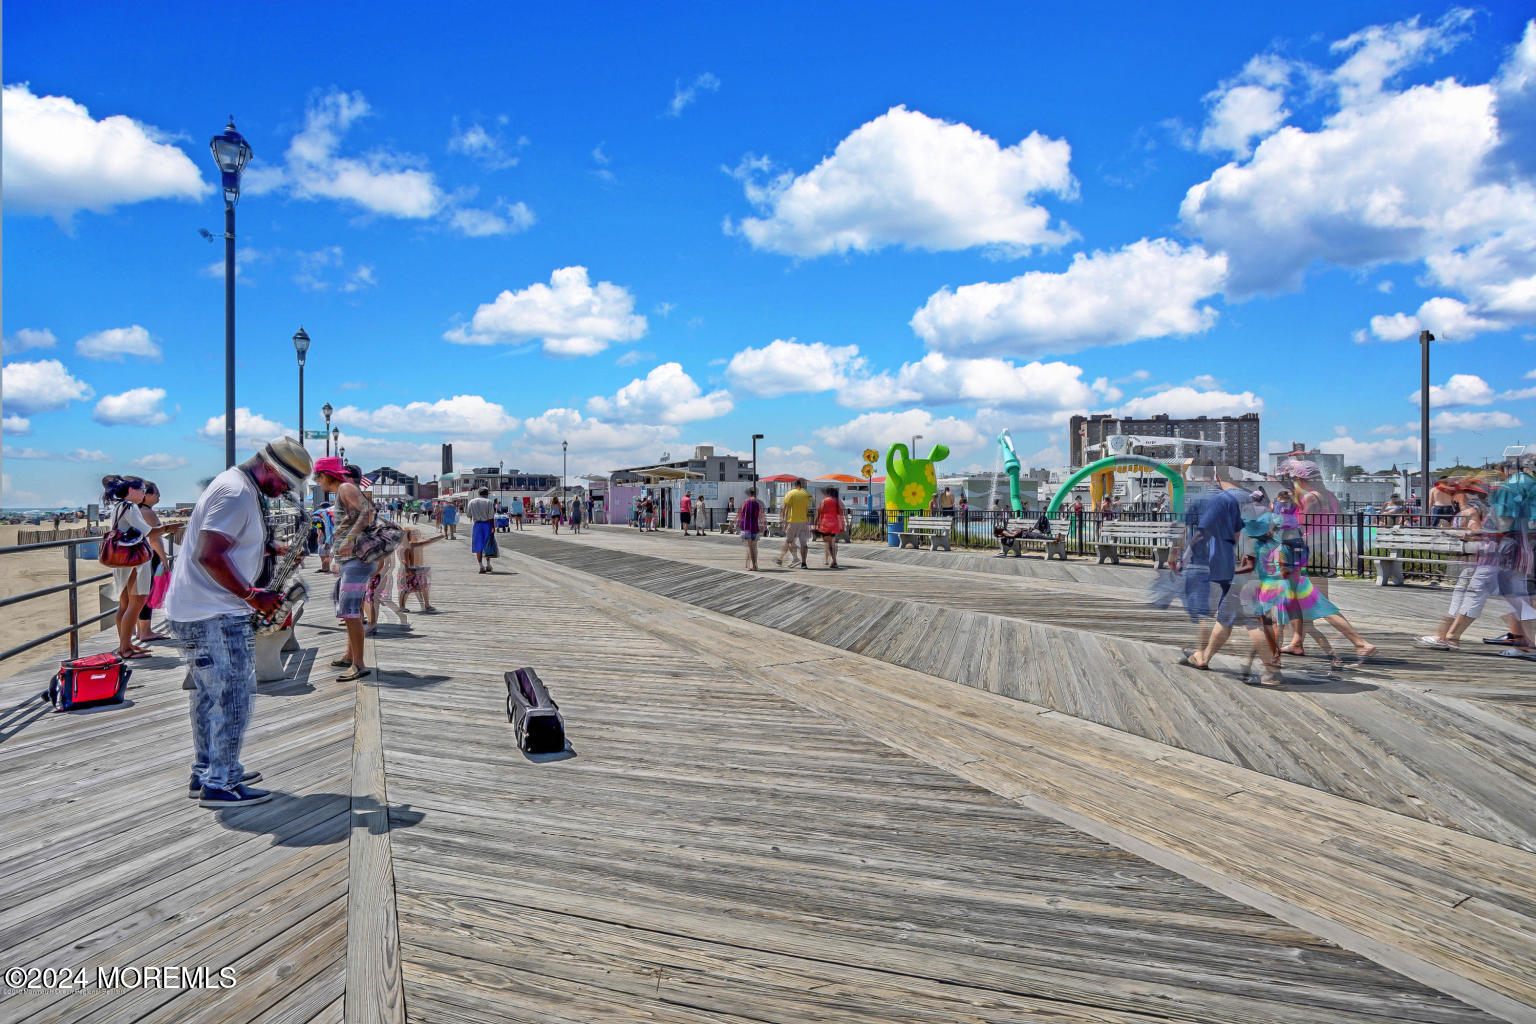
{"x": 481, "y": 510}
{"x": 232, "y": 506}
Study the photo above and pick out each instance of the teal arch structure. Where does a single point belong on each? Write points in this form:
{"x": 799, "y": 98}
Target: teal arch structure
{"x": 1175, "y": 481}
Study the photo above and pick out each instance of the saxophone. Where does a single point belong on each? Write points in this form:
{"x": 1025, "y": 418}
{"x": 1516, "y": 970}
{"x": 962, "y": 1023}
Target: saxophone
{"x": 294, "y": 592}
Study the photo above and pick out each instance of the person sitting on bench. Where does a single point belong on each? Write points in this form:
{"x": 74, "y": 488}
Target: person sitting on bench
{"x": 1006, "y": 535}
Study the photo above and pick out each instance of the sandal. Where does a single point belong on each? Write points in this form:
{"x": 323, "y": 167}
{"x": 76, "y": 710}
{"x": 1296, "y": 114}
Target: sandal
{"x": 342, "y": 663}
{"x": 1434, "y": 643}
{"x": 356, "y": 673}
{"x": 132, "y": 655}
{"x": 1269, "y": 680}
{"x": 1186, "y": 661}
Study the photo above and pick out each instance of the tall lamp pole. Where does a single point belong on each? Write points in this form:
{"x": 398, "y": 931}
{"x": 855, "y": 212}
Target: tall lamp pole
{"x": 336, "y": 440}
{"x": 326, "y": 410}
{"x": 915, "y": 438}
{"x": 231, "y": 153}
{"x": 563, "y": 446}
{"x": 755, "y": 438}
{"x": 300, "y": 347}
{"x": 1424, "y": 339}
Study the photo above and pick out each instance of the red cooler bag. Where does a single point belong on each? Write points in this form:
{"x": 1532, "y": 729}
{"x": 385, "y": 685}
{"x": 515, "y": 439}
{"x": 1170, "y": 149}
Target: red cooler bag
{"x": 99, "y": 679}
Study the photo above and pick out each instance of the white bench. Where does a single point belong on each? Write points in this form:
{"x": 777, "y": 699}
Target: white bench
{"x": 934, "y": 530}
{"x": 729, "y": 526}
{"x": 1054, "y": 546}
{"x": 773, "y": 524}
{"x": 1427, "y": 544}
{"x": 1119, "y": 533}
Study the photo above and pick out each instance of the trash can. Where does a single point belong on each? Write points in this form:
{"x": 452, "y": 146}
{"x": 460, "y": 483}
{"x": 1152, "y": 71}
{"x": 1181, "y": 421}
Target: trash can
{"x": 893, "y": 522}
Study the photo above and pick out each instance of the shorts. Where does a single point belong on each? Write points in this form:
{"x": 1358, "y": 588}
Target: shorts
{"x": 1474, "y": 586}
{"x": 352, "y": 588}
{"x": 415, "y": 579}
{"x": 682, "y": 517}
{"x": 378, "y": 588}
{"x": 748, "y": 534}
{"x": 482, "y": 536}
{"x": 797, "y": 534}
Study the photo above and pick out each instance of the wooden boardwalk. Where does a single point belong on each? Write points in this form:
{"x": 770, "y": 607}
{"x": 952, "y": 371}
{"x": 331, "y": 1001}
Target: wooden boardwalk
{"x": 750, "y": 826}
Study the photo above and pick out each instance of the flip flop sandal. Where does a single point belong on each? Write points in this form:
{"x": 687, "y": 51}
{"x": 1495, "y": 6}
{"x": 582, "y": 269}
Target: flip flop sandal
{"x": 1507, "y": 640}
{"x": 1434, "y": 643}
{"x": 1190, "y": 664}
{"x": 134, "y": 655}
{"x": 342, "y": 663}
{"x": 356, "y": 673}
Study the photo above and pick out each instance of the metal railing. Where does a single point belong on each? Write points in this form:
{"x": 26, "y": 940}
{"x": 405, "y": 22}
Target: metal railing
{"x": 72, "y": 586}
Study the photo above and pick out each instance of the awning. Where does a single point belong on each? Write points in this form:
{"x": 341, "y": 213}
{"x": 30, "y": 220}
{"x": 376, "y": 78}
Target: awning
{"x": 655, "y": 473}
{"x": 779, "y": 478}
{"x": 842, "y": 478}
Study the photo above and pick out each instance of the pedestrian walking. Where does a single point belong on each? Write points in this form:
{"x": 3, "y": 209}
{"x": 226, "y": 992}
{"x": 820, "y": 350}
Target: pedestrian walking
{"x": 415, "y": 574}
{"x": 451, "y": 520}
{"x": 830, "y": 522}
{"x": 482, "y": 514}
{"x": 749, "y": 526}
{"x": 210, "y": 606}
{"x": 159, "y": 567}
{"x": 685, "y": 512}
{"x": 796, "y": 510}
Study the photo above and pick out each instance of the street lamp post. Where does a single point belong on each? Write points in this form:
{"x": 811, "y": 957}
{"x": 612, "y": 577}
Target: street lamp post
{"x": 231, "y": 153}
{"x": 915, "y": 438}
{"x": 755, "y": 438}
{"x": 326, "y": 410}
{"x": 1424, "y": 339}
{"x": 301, "y": 346}
{"x": 563, "y": 446}
{"x": 336, "y": 439}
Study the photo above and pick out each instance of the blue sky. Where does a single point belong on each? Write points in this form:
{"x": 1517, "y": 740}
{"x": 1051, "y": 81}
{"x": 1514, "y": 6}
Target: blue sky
{"x": 640, "y": 229}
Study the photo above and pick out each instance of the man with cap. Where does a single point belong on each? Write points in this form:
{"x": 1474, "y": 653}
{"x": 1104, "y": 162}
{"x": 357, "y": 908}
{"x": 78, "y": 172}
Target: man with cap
{"x": 212, "y": 595}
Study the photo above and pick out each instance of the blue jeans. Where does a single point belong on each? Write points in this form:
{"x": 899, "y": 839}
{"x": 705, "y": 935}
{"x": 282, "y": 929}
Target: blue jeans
{"x": 223, "y": 665}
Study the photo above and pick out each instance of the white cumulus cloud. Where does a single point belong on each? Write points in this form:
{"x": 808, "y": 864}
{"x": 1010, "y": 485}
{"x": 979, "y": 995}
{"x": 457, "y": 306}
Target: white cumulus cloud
{"x": 1446, "y": 318}
{"x": 1184, "y": 402}
{"x": 16, "y": 426}
{"x": 879, "y": 429}
{"x": 1458, "y": 390}
{"x": 907, "y": 179}
{"x": 138, "y": 407}
{"x": 252, "y": 430}
{"x": 117, "y": 343}
{"x": 1249, "y": 106}
{"x": 58, "y": 160}
{"x": 502, "y": 219}
{"x": 461, "y": 414}
{"x": 41, "y": 386}
{"x": 595, "y": 445}
{"x": 788, "y": 367}
{"x": 572, "y": 316}
{"x": 28, "y": 337}
{"x": 379, "y": 180}
{"x": 665, "y": 395}
{"x": 1149, "y": 289}
{"x": 1449, "y": 422}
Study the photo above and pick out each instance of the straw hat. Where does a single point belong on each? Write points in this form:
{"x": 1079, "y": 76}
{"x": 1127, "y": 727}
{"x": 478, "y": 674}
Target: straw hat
{"x": 289, "y": 458}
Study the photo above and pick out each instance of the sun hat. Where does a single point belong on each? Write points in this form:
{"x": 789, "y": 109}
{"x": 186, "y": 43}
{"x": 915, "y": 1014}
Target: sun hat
{"x": 1259, "y": 525}
{"x": 1299, "y": 469}
{"x": 331, "y": 465}
{"x": 289, "y": 458}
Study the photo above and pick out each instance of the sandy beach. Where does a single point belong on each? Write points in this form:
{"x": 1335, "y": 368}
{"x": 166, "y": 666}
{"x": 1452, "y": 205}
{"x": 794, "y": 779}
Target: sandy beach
{"x": 32, "y": 570}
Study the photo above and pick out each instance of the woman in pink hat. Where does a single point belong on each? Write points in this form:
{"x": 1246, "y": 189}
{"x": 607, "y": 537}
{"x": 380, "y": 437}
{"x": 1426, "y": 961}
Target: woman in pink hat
{"x": 354, "y": 512}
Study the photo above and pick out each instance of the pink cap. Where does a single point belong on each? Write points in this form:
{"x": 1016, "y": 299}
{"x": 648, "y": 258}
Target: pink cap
{"x": 331, "y": 465}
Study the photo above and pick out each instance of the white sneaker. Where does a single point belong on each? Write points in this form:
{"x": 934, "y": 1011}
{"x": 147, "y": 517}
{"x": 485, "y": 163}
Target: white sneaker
{"x": 1434, "y": 643}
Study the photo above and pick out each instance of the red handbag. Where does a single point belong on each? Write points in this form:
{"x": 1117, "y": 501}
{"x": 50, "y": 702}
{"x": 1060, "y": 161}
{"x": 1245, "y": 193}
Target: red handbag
{"x": 118, "y": 553}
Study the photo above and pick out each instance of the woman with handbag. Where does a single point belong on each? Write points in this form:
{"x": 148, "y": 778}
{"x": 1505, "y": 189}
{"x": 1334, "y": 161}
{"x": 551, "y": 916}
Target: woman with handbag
{"x": 125, "y": 548}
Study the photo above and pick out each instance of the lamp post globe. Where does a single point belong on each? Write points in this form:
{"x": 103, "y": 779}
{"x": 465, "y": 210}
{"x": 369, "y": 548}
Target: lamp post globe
{"x": 326, "y": 410}
{"x": 231, "y": 154}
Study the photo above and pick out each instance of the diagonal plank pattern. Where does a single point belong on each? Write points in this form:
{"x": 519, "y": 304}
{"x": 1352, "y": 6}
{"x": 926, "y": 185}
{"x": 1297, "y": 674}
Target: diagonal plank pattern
{"x": 1371, "y": 738}
{"x": 711, "y": 850}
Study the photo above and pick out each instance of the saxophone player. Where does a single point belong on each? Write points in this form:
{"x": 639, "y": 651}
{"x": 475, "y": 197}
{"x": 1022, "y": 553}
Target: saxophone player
{"x": 211, "y": 598}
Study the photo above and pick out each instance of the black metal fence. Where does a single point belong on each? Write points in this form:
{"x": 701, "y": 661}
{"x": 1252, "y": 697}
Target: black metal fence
{"x": 1339, "y": 544}
{"x": 71, "y": 586}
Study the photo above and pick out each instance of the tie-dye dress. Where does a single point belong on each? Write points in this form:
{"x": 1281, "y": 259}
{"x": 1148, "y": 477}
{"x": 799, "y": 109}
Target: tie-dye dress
{"x": 1283, "y": 592}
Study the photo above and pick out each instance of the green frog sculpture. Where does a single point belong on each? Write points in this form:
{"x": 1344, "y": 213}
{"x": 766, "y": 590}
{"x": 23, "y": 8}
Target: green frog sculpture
{"x": 911, "y": 483}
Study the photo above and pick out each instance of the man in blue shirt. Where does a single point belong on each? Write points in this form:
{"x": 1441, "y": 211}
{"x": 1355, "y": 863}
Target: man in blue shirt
{"x": 1213, "y": 541}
